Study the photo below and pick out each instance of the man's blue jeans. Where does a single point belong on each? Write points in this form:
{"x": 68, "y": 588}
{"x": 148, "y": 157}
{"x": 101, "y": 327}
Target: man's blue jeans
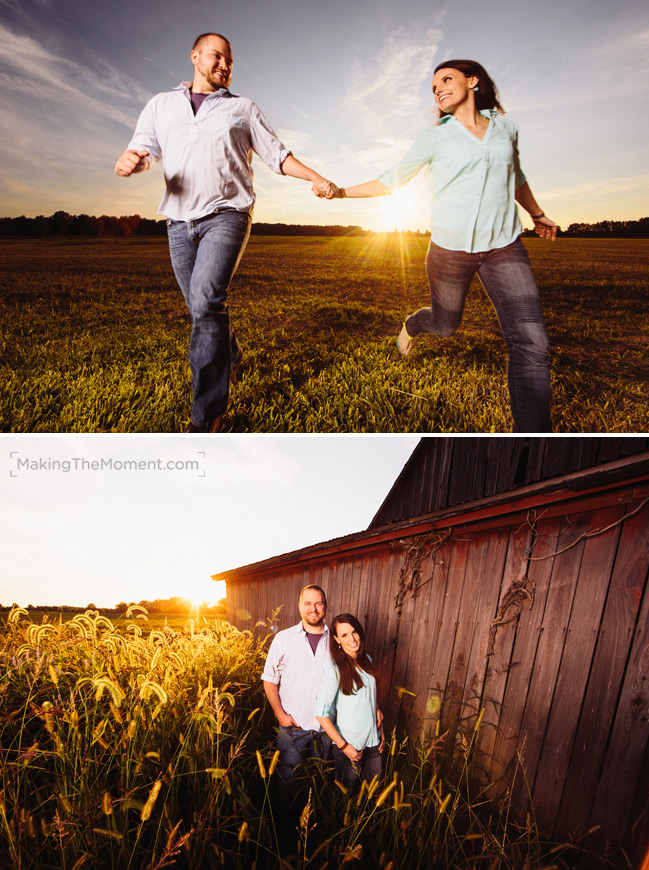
{"x": 294, "y": 744}
{"x": 205, "y": 254}
{"x": 509, "y": 282}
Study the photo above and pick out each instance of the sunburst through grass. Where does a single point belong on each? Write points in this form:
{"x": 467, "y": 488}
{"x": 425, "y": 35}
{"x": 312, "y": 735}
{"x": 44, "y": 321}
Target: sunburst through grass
{"x": 128, "y": 745}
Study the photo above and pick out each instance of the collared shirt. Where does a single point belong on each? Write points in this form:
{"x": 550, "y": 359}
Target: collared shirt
{"x": 473, "y": 182}
{"x": 291, "y": 664}
{"x": 355, "y": 714}
{"x": 207, "y": 157}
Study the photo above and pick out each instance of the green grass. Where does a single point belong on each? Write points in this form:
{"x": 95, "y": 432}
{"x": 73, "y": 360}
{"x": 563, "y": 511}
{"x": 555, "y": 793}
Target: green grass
{"x": 95, "y": 334}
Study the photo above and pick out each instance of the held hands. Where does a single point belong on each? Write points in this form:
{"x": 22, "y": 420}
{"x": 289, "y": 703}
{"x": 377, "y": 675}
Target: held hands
{"x": 327, "y": 190}
{"x": 132, "y": 161}
{"x": 545, "y": 228}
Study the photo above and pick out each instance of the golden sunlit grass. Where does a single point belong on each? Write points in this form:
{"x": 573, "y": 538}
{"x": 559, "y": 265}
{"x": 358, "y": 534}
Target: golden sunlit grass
{"x": 95, "y": 339}
{"x": 127, "y": 745}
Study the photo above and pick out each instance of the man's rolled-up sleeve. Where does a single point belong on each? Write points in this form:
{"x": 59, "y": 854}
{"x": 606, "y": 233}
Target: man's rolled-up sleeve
{"x": 144, "y": 138}
{"x": 271, "y": 668}
{"x": 265, "y": 142}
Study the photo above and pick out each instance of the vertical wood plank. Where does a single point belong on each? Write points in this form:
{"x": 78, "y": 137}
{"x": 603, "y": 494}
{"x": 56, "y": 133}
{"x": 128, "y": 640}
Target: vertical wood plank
{"x": 525, "y": 645}
{"x": 630, "y": 733}
{"x": 552, "y": 636}
{"x": 585, "y": 618}
{"x": 439, "y": 695}
{"x": 605, "y": 679}
{"x": 501, "y": 659}
{"x": 487, "y": 597}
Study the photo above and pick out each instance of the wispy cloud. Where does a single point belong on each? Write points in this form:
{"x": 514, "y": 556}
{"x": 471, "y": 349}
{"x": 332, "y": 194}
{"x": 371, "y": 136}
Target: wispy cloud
{"x": 30, "y": 68}
{"x": 69, "y": 119}
{"x": 384, "y": 92}
{"x": 601, "y": 188}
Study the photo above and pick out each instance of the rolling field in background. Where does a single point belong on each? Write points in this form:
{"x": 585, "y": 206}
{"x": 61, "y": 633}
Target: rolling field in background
{"x": 95, "y": 335}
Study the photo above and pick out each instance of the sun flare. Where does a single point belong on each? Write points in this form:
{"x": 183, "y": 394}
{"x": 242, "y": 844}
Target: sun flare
{"x": 200, "y": 590}
{"x": 397, "y": 210}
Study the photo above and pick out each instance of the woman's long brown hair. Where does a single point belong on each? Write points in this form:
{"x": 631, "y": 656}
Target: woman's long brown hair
{"x": 487, "y": 94}
{"x": 348, "y": 668}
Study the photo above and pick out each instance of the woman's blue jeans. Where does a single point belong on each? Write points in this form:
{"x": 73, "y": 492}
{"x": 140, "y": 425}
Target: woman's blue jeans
{"x": 205, "y": 254}
{"x": 350, "y": 773}
{"x": 507, "y": 277}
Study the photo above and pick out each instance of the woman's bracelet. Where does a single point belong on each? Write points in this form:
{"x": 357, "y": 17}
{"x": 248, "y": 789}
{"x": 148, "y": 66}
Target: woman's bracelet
{"x": 344, "y": 746}
{"x": 537, "y": 217}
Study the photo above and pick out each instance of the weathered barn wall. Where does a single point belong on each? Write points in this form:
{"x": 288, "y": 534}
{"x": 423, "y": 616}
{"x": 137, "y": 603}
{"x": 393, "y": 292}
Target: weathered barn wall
{"x": 564, "y": 683}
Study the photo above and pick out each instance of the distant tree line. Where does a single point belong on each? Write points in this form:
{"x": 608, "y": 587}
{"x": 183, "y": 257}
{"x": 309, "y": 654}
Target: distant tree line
{"x": 176, "y": 604}
{"x": 614, "y": 229}
{"x": 63, "y": 224}
{"x": 606, "y": 229}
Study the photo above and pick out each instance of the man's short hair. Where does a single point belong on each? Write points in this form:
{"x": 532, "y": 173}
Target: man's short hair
{"x": 317, "y": 589}
{"x": 199, "y": 40}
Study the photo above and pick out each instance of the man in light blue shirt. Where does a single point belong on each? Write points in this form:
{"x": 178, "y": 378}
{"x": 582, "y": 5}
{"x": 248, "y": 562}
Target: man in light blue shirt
{"x": 205, "y": 136}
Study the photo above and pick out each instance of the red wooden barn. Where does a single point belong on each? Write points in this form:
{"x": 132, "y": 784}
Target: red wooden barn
{"x": 509, "y": 574}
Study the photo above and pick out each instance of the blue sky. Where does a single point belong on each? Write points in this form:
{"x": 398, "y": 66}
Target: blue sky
{"x": 346, "y": 86}
{"x": 104, "y": 535}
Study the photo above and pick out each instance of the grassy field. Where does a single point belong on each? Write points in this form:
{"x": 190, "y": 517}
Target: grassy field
{"x": 95, "y": 334}
{"x": 127, "y": 748}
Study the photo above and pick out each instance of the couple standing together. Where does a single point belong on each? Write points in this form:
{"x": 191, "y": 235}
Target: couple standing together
{"x": 205, "y": 136}
{"x": 321, "y": 685}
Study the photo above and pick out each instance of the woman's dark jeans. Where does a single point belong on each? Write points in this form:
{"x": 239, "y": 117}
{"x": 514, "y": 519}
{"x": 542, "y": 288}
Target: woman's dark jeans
{"x": 350, "y": 773}
{"x": 507, "y": 277}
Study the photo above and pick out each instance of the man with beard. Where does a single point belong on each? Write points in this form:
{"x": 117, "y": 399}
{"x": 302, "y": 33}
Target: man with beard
{"x": 294, "y": 672}
{"x": 206, "y": 135}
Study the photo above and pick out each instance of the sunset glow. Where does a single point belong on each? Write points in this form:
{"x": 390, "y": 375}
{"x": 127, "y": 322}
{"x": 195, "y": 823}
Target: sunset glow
{"x": 350, "y": 112}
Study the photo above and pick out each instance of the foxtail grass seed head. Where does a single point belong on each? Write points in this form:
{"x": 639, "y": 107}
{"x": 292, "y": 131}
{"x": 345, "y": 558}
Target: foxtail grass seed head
{"x": 273, "y": 762}
{"x": 107, "y": 804}
{"x": 65, "y": 803}
{"x": 362, "y": 793}
{"x": 106, "y": 832}
{"x": 444, "y": 804}
{"x": 384, "y": 794}
{"x": 306, "y": 813}
{"x": 147, "y": 809}
{"x": 243, "y": 832}
{"x": 260, "y": 765}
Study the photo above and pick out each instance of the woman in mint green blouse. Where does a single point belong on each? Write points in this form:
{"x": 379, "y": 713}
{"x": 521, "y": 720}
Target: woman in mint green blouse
{"x": 475, "y": 178}
{"x": 348, "y": 698}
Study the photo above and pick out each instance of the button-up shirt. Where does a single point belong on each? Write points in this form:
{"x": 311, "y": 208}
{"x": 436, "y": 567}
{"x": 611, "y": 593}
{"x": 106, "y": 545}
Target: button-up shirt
{"x": 291, "y": 664}
{"x": 207, "y": 157}
{"x": 355, "y": 715}
{"x": 473, "y": 182}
